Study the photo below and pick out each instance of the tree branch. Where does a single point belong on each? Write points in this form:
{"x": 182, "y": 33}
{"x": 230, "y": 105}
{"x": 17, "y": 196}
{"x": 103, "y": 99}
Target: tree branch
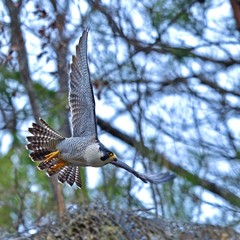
{"x": 18, "y": 43}
{"x": 195, "y": 180}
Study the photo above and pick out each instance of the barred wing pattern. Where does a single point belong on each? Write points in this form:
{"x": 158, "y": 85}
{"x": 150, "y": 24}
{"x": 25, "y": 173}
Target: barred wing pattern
{"x": 81, "y": 98}
{"x": 70, "y": 174}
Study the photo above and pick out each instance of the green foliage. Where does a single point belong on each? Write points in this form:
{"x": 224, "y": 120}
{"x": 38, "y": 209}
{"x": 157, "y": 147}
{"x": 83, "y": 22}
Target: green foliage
{"x": 6, "y": 74}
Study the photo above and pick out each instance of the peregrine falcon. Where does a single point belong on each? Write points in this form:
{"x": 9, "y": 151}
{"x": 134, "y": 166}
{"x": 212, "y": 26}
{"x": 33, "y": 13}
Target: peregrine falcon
{"x": 65, "y": 156}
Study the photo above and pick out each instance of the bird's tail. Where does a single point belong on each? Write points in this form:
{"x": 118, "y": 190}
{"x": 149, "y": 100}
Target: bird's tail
{"x": 43, "y": 143}
{"x": 43, "y": 140}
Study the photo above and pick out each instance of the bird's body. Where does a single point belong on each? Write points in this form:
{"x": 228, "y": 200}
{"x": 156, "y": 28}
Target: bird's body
{"x": 64, "y": 156}
{"x": 84, "y": 152}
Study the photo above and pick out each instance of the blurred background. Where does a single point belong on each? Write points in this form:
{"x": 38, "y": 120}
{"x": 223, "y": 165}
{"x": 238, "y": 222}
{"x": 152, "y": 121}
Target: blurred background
{"x": 166, "y": 77}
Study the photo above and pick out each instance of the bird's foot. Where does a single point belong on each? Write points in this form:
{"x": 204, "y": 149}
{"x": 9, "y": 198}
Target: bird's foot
{"x": 51, "y": 159}
{"x": 51, "y": 155}
{"x": 56, "y": 167}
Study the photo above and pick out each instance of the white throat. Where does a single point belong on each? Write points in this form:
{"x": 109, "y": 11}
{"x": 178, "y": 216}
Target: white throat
{"x": 92, "y": 156}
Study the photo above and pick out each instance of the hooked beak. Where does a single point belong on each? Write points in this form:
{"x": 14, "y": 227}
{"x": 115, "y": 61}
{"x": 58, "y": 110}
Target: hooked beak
{"x": 113, "y": 158}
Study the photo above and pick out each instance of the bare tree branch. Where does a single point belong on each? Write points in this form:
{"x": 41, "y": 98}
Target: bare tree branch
{"x": 17, "y": 42}
{"x": 193, "y": 178}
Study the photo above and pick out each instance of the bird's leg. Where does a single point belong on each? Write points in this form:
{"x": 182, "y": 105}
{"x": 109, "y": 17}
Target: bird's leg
{"x": 52, "y": 155}
{"x": 57, "y": 166}
{"x": 49, "y": 160}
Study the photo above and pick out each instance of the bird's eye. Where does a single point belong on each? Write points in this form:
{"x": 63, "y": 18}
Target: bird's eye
{"x": 110, "y": 154}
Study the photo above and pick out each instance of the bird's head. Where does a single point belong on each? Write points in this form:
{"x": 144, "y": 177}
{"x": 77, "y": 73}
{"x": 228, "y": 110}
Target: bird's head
{"x": 106, "y": 154}
{"x": 97, "y": 155}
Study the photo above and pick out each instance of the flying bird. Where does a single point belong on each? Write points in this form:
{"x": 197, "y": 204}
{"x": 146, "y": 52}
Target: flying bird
{"x": 64, "y": 156}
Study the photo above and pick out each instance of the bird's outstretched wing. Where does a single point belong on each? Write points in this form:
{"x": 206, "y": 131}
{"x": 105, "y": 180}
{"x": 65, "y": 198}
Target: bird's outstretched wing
{"x": 152, "y": 178}
{"x": 81, "y": 98}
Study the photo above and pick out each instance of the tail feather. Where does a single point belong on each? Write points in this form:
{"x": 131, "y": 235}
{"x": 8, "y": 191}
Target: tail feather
{"x": 49, "y": 171}
{"x": 34, "y": 147}
{"x": 39, "y": 155}
{"x": 43, "y": 130}
{"x": 36, "y": 139}
{"x": 40, "y": 131}
{"x": 43, "y": 140}
{"x": 45, "y": 165}
{"x": 78, "y": 178}
{"x": 63, "y": 174}
{"x": 50, "y": 130}
{"x": 70, "y": 174}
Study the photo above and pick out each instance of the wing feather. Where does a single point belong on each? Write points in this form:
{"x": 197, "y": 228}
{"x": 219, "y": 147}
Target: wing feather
{"x": 158, "y": 178}
{"x": 70, "y": 174}
{"x": 81, "y": 98}
{"x": 71, "y": 177}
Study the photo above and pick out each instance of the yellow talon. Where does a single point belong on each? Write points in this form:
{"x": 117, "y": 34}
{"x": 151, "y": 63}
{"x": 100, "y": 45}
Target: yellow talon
{"x": 57, "y": 167}
{"x": 48, "y": 159}
{"x": 52, "y": 155}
